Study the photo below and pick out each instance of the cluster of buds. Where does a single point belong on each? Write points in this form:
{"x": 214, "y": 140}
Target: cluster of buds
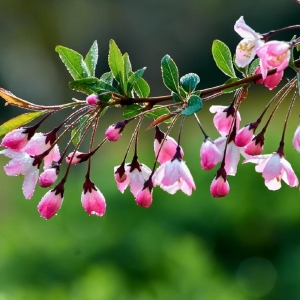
{"x": 28, "y": 149}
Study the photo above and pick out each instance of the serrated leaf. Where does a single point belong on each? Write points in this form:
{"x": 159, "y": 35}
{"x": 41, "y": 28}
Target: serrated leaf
{"x": 253, "y": 66}
{"x": 107, "y": 77}
{"x": 298, "y": 83}
{"x": 141, "y": 88}
{"x": 116, "y": 62}
{"x": 194, "y": 105}
{"x": 176, "y": 97}
{"x": 133, "y": 78}
{"x": 73, "y": 61}
{"x": 132, "y": 110}
{"x": 127, "y": 67}
{"x": 19, "y": 121}
{"x": 77, "y": 131}
{"x": 223, "y": 58}
{"x": 91, "y": 59}
{"x": 159, "y": 111}
{"x": 232, "y": 89}
{"x": 189, "y": 82}
{"x": 169, "y": 73}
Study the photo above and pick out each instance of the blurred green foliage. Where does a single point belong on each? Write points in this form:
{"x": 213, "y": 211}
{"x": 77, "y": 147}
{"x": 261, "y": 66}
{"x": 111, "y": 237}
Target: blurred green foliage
{"x": 245, "y": 246}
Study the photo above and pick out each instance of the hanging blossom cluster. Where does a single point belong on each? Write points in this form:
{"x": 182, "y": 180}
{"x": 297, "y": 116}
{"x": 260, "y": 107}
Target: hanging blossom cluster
{"x": 37, "y": 157}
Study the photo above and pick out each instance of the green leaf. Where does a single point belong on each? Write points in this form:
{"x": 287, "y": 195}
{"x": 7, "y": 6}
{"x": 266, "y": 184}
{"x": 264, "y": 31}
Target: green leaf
{"x": 141, "y": 88}
{"x": 107, "y": 77}
{"x": 232, "y": 89}
{"x": 77, "y": 131}
{"x": 298, "y": 48}
{"x": 189, "y": 82}
{"x": 158, "y": 112}
{"x": 116, "y": 62}
{"x": 176, "y": 97}
{"x": 223, "y": 58}
{"x": 253, "y": 66}
{"x": 132, "y": 110}
{"x": 133, "y": 78}
{"x": 194, "y": 105}
{"x": 169, "y": 73}
{"x": 91, "y": 59}
{"x": 19, "y": 121}
{"x": 73, "y": 61}
{"x": 298, "y": 83}
{"x": 127, "y": 67}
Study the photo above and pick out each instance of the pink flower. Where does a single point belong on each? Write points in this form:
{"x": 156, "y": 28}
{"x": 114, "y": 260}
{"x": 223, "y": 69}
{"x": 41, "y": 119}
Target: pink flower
{"x": 274, "y": 167}
{"x": 256, "y": 146}
{"x": 74, "y": 159}
{"x": 271, "y": 81}
{"x": 16, "y": 139}
{"x": 49, "y": 176}
{"x": 296, "y": 139}
{"x": 245, "y": 135}
{"x": 210, "y": 155}
{"x": 224, "y": 117}
{"x": 220, "y": 186}
{"x": 135, "y": 175}
{"x": 144, "y": 196}
{"x": 92, "y": 99}
{"x": 113, "y": 133}
{"x": 92, "y": 199}
{"x": 174, "y": 175}
{"x": 273, "y": 54}
{"x": 22, "y": 164}
{"x": 246, "y": 49}
{"x": 168, "y": 149}
{"x": 51, "y": 202}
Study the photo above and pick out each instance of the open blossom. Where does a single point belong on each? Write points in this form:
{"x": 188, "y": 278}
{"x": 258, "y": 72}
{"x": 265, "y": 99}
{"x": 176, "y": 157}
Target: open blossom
{"x": 246, "y": 49}
{"x": 210, "y": 155}
{"x": 22, "y": 164}
{"x": 174, "y": 175}
{"x": 274, "y": 167}
{"x": 296, "y": 139}
{"x": 92, "y": 199}
{"x": 224, "y": 117}
{"x": 274, "y": 54}
{"x": 144, "y": 196}
{"x": 16, "y": 139}
{"x": 270, "y": 81}
{"x": 220, "y": 186}
{"x": 114, "y": 132}
{"x": 168, "y": 149}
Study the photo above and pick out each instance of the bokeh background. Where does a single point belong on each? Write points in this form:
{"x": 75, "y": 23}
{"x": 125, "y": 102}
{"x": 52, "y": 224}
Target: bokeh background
{"x": 245, "y": 246}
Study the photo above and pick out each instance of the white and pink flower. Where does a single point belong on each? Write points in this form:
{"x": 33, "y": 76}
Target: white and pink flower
{"x": 16, "y": 139}
{"x": 210, "y": 155}
{"x": 296, "y": 139}
{"x": 270, "y": 81}
{"x": 144, "y": 196}
{"x": 220, "y": 186}
{"x": 48, "y": 177}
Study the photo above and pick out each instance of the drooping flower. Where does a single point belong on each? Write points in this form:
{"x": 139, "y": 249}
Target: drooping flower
{"x": 49, "y": 176}
{"x": 220, "y": 186}
{"x": 274, "y": 167}
{"x": 16, "y": 139}
{"x": 256, "y": 146}
{"x": 92, "y": 199}
{"x": 273, "y": 54}
{"x": 114, "y": 132}
{"x": 270, "y": 81}
{"x": 246, "y": 49}
{"x": 51, "y": 202}
{"x": 174, "y": 175}
{"x": 224, "y": 117}
{"x": 144, "y": 196}
{"x": 245, "y": 135}
{"x": 296, "y": 139}
{"x": 74, "y": 158}
{"x": 210, "y": 155}
{"x": 168, "y": 149}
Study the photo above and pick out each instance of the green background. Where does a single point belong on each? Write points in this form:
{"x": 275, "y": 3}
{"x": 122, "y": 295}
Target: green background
{"x": 244, "y": 246}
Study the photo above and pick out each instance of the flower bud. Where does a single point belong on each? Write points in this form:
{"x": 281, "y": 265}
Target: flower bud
{"x": 113, "y": 132}
{"x": 16, "y": 139}
{"x": 144, "y": 196}
{"x": 48, "y": 177}
{"x": 74, "y": 160}
{"x": 210, "y": 155}
{"x": 92, "y": 99}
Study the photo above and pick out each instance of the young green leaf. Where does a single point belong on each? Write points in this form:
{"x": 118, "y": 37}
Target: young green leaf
{"x": 77, "y": 131}
{"x": 116, "y": 62}
{"x": 159, "y": 111}
{"x": 169, "y": 73}
{"x": 127, "y": 67}
{"x": 194, "y": 105}
{"x": 133, "y": 78}
{"x": 141, "y": 88}
{"x": 176, "y": 97}
{"x": 19, "y": 121}
{"x": 132, "y": 110}
{"x": 253, "y": 66}
{"x": 232, "y": 89}
{"x": 223, "y": 58}
{"x": 189, "y": 82}
{"x": 73, "y": 61}
{"x": 107, "y": 77}
{"x": 91, "y": 59}
{"x": 91, "y": 85}
{"x": 298, "y": 83}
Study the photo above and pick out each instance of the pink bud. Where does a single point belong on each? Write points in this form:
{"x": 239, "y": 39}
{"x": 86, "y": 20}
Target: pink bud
{"x": 219, "y": 186}
{"x": 73, "y": 160}
{"x": 244, "y": 136}
{"x": 253, "y": 149}
{"x": 48, "y": 177}
{"x": 296, "y": 139}
{"x": 16, "y": 139}
{"x": 51, "y": 202}
{"x": 144, "y": 196}
{"x": 113, "y": 132}
{"x": 210, "y": 155}
{"x": 92, "y": 99}
{"x": 92, "y": 199}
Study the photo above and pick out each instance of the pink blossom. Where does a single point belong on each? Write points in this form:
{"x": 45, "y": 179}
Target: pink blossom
{"x": 274, "y": 167}
{"x": 271, "y": 81}
{"x": 273, "y": 54}
{"x": 244, "y": 135}
{"x": 168, "y": 149}
{"x": 51, "y": 202}
{"x": 74, "y": 159}
{"x": 174, "y": 175}
{"x": 22, "y": 164}
{"x": 92, "y": 99}
{"x": 48, "y": 177}
{"x": 92, "y": 199}
{"x": 220, "y": 186}
{"x": 296, "y": 139}
{"x": 114, "y": 132}
{"x": 144, "y": 196}
{"x": 16, "y": 139}
{"x": 246, "y": 49}
{"x": 224, "y": 117}
{"x": 256, "y": 146}
{"x": 210, "y": 155}
{"x": 135, "y": 174}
